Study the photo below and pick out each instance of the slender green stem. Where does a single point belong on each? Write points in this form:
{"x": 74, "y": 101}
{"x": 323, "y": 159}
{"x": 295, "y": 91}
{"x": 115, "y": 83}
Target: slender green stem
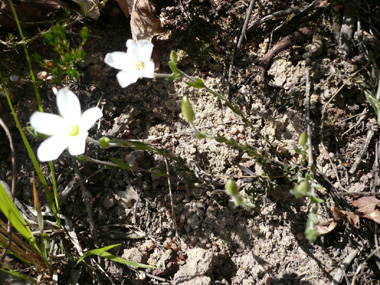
{"x": 31, "y": 153}
{"x": 27, "y": 57}
{"x": 162, "y": 75}
{"x": 55, "y": 192}
{"x": 220, "y": 96}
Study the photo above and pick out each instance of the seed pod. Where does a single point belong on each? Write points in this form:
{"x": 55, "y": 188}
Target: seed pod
{"x": 187, "y": 110}
{"x": 303, "y": 139}
{"x": 231, "y": 188}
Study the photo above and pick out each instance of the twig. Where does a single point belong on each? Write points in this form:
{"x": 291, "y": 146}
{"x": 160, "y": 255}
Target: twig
{"x": 244, "y": 29}
{"x": 362, "y": 116}
{"x": 376, "y": 251}
{"x": 298, "y": 37}
{"x": 87, "y": 201}
{"x": 171, "y": 197}
{"x": 375, "y": 194}
{"x": 230, "y": 69}
{"x": 281, "y": 14}
{"x": 364, "y": 149}
{"x": 308, "y": 125}
{"x": 275, "y": 15}
{"x": 346, "y": 262}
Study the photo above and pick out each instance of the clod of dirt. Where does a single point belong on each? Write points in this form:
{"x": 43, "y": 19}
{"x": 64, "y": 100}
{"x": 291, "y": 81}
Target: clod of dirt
{"x": 197, "y": 269}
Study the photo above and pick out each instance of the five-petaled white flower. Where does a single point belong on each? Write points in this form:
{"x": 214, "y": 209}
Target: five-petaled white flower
{"x": 135, "y": 63}
{"x": 69, "y": 130}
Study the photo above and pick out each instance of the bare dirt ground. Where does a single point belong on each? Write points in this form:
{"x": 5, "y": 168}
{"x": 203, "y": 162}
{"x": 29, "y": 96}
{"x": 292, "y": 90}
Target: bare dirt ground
{"x": 209, "y": 240}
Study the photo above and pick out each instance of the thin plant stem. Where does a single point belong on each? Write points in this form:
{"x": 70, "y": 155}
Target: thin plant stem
{"x": 31, "y": 153}
{"x": 38, "y": 97}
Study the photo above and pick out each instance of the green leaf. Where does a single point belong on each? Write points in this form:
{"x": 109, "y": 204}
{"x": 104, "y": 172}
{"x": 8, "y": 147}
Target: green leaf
{"x": 234, "y": 109}
{"x": 311, "y": 235}
{"x": 316, "y": 200}
{"x": 201, "y": 135}
{"x": 120, "y": 163}
{"x": 197, "y": 83}
{"x": 174, "y": 68}
{"x": 158, "y": 171}
{"x": 174, "y": 76}
{"x": 13, "y": 214}
{"x": 102, "y": 252}
{"x": 14, "y": 273}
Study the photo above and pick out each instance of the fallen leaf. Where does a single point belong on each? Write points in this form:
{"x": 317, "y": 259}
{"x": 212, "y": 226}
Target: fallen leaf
{"x": 367, "y": 207}
{"x": 144, "y": 25}
{"x": 352, "y": 218}
{"x": 337, "y": 213}
{"x": 126, "y": 6}
{"x": 325, "y": 227}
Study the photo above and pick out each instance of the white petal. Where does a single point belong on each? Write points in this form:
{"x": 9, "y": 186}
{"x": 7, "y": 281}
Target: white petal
{"x": 51, "y": 148}
{"x": 68, "y": 105}
{"x": 148, "y": 71}
{"x": 48, "y": 124}
{"x": 89, "y": 117}
{"x": 126, "y": 78}
{"x": 145, "y": 48}
{"x": 117, "y": 59}
{"x": 131, "y": 44}
{"x": 78, "y": 143}
{"x": 133, "y": 51}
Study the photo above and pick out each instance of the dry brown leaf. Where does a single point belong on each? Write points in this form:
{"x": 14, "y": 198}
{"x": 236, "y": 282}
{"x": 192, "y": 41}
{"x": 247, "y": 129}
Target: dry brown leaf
{"x": 352, "y": 218}
{"x": 325, "y": 227}
{"x": 144, "y": 25}
{"x": 126, "y": 6}
{"x": 368, "y": 207}
{"x": 337, "y": 213}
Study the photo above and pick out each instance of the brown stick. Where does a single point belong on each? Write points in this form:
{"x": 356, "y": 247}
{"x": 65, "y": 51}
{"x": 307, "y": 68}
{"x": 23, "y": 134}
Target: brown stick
{"x": 296, "y": 38}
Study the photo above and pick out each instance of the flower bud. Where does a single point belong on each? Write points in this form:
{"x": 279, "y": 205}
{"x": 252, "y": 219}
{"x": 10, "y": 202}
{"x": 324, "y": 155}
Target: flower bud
{"x": 303, "y": 139}
{"x": 231, "y": 188}
{"x": 173, "y": 56}
{"x": 104, "y": 142}
{"x": 187, "y": 110}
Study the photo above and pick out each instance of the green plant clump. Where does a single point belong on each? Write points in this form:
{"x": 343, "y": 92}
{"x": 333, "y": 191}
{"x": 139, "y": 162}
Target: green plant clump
{"x": 68, "y": 57}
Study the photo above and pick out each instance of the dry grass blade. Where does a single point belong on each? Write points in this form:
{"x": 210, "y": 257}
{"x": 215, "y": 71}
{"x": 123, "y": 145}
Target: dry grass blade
{"x": 21, "y": 249}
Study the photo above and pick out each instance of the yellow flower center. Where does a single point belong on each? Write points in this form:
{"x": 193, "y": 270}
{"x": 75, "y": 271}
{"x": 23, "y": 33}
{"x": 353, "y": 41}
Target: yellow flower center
{"x": 73, "y": 130}
{"x": 140, "y": 65}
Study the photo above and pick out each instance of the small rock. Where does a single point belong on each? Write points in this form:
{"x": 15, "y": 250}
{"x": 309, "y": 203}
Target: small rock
{"x": 108, "y": 202}
{"x": 198, "y": 267}
{"x": 133, "y": 254}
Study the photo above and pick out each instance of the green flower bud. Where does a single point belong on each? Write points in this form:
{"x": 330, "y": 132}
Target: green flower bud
{"x": 231, "y": 188}
{"x": 173, "y": 56}
{"x": 187, "y": 110}
{"x": 303, "y": 139}
{"x": 104, "y": 142}
{"x": 301, "y": 189}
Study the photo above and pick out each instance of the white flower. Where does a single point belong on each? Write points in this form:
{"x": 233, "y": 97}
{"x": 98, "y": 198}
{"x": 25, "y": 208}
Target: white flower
{"x": 135, "y": 63}
{"x": 69, "y": 130}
